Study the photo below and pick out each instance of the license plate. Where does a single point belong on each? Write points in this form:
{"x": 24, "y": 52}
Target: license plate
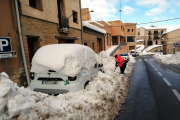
{"x": 49, "y": 82}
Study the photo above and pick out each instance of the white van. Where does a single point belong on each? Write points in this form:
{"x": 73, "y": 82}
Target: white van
{"x": 51, "y": 81}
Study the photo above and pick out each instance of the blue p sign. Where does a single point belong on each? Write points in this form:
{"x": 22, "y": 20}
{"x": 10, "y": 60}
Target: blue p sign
{"x": 5, "y": 44}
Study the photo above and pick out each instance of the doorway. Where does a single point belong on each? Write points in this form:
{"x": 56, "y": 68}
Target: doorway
{"x": 99, "y": 45}
{"x": 32, "y": 47}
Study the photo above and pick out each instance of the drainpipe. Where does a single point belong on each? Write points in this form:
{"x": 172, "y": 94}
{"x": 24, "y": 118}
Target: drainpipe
{"x": 21, "y": 41}
{"x": 81, "y": 23}
{"x": 104, "y": 41}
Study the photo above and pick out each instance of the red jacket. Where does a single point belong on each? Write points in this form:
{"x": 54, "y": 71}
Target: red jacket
{"x": 119, "y": 60}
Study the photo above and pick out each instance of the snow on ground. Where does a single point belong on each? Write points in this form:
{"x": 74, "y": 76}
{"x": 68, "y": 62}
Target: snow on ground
{"x": 64, "y": 59}
{"x": 109, "y": 50}
{"x": 130, "y": 65}
{"x": 139, "y": 48}
{"x": 150, "y": 47}
{"x": 102, "y": 99}
{"x": 168, "y": 59}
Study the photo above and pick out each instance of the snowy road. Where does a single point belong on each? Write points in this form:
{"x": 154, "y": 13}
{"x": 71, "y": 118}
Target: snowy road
{"x": 154, "y": 92}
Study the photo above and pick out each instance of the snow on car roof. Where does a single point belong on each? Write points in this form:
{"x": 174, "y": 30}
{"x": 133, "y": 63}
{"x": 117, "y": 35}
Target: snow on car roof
{"x": 67, "y": 59}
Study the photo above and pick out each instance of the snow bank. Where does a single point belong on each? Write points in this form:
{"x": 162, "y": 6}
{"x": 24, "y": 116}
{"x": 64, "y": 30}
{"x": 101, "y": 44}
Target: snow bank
{"x": 67, "y": 59}
{"x": 169, "y": 59}
{"x": 130, "y": 65}
{"x": 102, "y": 99}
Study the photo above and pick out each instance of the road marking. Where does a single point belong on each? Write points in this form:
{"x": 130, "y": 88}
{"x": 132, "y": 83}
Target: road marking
{"x": 160, "y": 74}
{"x": 177, "y": 94}
{"x": 155, "y": 69}
{"x": 167, "y": 82}
{"x": 140, "y": 60}
{"x": 145, "y": 59}
{"x": 153, "y": 66}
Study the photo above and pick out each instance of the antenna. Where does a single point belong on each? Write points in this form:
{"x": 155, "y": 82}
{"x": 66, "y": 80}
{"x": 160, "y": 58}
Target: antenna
{"x": 120, "y": 9}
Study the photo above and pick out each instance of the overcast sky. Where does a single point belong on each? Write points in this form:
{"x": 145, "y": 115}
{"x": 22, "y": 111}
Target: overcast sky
{"x": 135, "y": 11}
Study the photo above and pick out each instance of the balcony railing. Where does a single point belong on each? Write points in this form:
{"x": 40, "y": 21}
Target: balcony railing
{"x": 64, "y": 24}
{"x": 156, "y": 37}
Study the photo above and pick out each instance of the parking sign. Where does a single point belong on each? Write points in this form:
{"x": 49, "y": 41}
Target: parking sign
{"x": 175, "y": 45}
{"x": 5, "y": 44}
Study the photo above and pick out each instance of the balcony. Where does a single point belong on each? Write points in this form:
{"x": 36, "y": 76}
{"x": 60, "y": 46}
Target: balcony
{"x": 64, "y": 24}
{"x": 149, "y": 33}
{"x": 156, "y": 37}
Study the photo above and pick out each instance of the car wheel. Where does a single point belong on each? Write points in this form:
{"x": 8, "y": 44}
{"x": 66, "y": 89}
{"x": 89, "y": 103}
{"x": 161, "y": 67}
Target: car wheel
{"x": 86, "y": 84}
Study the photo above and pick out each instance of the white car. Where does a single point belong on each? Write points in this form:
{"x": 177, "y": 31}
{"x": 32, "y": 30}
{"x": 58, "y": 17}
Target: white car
{"x": 63, "y": 68}
{"x": 56, "y": 83}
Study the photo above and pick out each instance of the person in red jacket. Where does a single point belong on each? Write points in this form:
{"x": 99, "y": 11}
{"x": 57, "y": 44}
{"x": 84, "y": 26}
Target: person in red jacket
{"x": 121, "y": 63}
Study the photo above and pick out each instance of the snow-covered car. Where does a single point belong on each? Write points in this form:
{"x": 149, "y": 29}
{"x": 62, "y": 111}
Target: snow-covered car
{"x": 62, "y": 68}
{"x": 124, "y": 56}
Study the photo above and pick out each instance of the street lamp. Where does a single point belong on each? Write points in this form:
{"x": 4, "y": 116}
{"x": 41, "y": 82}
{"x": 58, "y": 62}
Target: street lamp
{"x": 82, "y": 26}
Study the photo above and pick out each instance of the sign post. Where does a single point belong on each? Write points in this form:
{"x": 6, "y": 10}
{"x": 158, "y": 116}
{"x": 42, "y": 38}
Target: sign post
{"x": 5, "y": 50}
{"x": 174, "y": 46}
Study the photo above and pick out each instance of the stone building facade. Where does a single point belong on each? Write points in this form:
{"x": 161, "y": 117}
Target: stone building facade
{"x": 130, "y": 36}
{"x": 170, "y": 38}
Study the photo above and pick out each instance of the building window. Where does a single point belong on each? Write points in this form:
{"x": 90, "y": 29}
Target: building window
{"x": 128, "y": 30}
{"x": 93, "y": 46}
{"x": 131, "y": 47}
{"x": 138, "y": 33}
{"x": 130, "y": 38}
{"x": 36, "y": 4}
{"x": 132, "y": 30}
{"x": 75, "y": 17}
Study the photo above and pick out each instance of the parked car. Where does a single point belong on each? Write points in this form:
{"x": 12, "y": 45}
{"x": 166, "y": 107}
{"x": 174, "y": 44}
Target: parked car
{"x": 137, "y": 54}
{"x": 53, "y": 82}
{"x": 133, "y": 53}
{"x": 125, "y": 56}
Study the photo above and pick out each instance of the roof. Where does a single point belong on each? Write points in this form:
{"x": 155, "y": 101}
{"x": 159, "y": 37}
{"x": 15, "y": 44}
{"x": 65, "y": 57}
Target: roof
{"x": 172, "y": 30}
{"x": 154, "y": 27}
{"x": 93, "y": 27}
{"x": 96, "y": 23}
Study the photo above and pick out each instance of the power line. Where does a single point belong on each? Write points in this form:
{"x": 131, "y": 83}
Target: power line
{"x": 144, "y": 23}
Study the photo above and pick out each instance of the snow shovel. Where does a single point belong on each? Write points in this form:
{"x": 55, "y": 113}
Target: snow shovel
{"x": 115, "y": 69}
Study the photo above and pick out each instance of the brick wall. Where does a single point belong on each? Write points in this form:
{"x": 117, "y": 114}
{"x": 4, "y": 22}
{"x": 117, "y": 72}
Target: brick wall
{"x": 45, "y": 31}
{"x": 18, "y": 76}
{"x": 90, "y": 36}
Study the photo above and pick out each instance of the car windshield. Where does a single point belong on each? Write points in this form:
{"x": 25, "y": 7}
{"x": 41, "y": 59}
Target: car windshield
{"x": 132, "y": 51}
{"x": 123, "y": 54}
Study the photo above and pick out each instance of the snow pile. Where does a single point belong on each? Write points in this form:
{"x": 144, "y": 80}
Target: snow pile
{"x": 64, "y": 59}
{"x": 169, "y": 59}
{"x": 109, "y": 50}
{"x": 139, "y": 48}
{"x": 130, "y": 65}
{"x": 150, "y": 47}
{"x": 102, "y": 98}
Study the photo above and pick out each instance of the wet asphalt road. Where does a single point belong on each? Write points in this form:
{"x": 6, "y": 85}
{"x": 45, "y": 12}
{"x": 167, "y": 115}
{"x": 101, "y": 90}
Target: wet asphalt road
{"x": 154, "y": 92}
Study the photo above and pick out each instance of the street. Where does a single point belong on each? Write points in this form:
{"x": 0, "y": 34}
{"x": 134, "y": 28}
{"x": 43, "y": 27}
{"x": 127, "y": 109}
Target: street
{"x": 154, "y": 92}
